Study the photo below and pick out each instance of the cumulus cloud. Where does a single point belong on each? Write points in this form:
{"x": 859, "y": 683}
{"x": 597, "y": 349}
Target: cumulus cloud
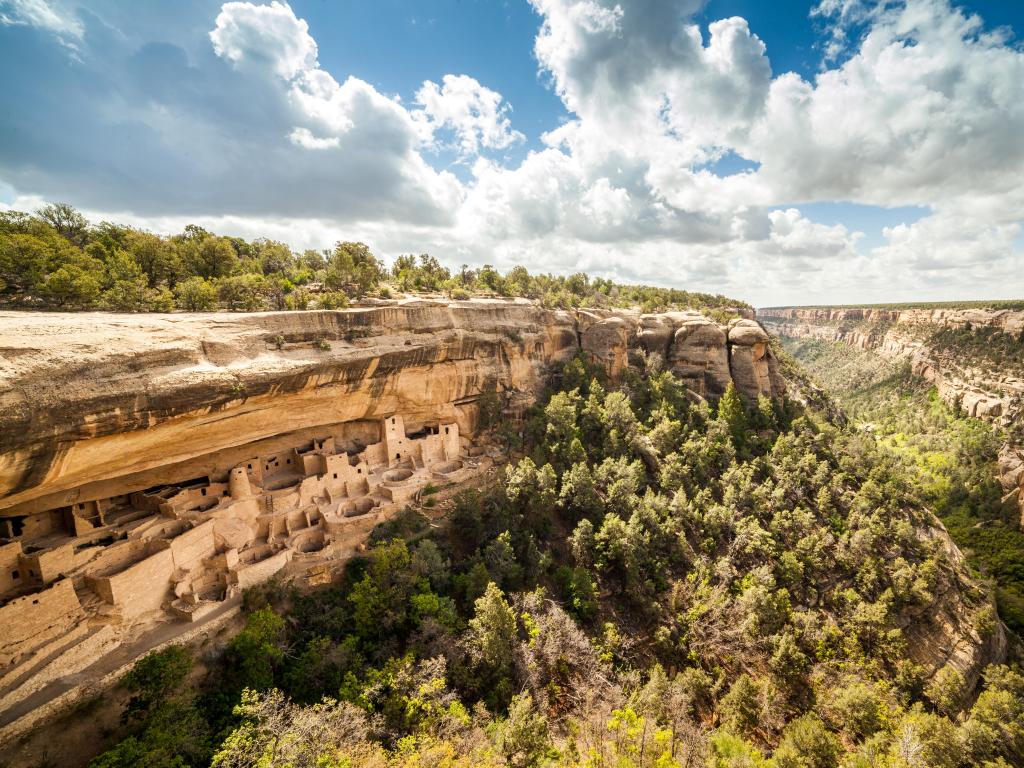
{"x": 477, "y": 115}
{"x": 264, "y": 35}
{"x": 305, "y": 138}
{"x": 923, "y": 110}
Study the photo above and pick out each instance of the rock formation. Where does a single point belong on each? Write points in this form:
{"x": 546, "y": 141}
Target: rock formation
{"x": 152, "y": 466}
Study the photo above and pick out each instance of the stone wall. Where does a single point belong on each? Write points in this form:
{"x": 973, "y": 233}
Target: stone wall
{"x": 139, "y": 588}
{"x": 11, "y": 576}
{"x": 193, "y": 546}
{"x": 32, "y": 620}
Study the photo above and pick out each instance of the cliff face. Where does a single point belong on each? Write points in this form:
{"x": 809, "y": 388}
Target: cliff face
{"x": 157, "y": 465}
{"x": 95, "y": 405}
{"x": 980, "y": 388}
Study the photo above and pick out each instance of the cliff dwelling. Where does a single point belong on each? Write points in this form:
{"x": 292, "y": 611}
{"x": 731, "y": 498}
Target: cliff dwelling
{"x": 73, "y": 579}
{"x": 138, "y": 502}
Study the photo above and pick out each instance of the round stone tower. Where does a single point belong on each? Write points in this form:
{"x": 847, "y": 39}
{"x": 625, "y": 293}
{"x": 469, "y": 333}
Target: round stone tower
{"x": 238, "y": 484}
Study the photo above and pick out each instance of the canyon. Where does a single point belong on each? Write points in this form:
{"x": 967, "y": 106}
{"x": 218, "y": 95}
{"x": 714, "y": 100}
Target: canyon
{"x": 152, "y": 467}
{"x": 980, "y": 387}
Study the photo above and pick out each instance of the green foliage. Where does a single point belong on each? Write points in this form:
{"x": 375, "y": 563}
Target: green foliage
{"x": 951, "y": 461}
{"x": 772, "y": 575}
{"x": 256, "y": 651}
{"x": 522, "y": 738}
{"x": 733, "y": 416}
{"x": 806, "y": 743}
{"x": 154, "y": 678}
{"x": 56, "y": 258}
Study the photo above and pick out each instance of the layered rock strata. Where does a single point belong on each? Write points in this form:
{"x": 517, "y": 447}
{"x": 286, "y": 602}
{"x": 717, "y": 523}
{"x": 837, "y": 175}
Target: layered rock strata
{"x": 153, "y": 466}
{"x": 96, "y": 405}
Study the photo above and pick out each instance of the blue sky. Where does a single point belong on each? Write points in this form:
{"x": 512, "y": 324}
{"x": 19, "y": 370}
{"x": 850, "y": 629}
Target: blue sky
{"x": 828, "y": 150}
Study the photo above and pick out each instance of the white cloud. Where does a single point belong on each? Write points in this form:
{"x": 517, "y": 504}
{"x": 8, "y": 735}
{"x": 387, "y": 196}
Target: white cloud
{"x": 477, "y": 115}
{"x": 925, "y": 109}
{"x": 264, "y": 35}
{"x": 43, "y": 15}
{"x": 303, "y": 137}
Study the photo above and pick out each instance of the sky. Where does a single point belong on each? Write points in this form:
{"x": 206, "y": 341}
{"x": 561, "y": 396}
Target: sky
{"x": 785, "y": 152}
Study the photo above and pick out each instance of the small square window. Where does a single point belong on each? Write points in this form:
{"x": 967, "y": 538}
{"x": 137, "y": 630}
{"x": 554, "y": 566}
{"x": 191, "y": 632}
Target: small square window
{"x": 335, "y": 475}
{"x": 15, "y": 575}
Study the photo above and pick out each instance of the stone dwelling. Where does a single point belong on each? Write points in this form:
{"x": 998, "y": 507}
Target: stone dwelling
{"x": 74, "y": 581}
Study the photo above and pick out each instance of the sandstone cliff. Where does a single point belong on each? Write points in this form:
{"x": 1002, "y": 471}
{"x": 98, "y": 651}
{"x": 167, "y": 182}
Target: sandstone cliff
{"x": 243, "y": 445}
{"x": 94, "y": 405}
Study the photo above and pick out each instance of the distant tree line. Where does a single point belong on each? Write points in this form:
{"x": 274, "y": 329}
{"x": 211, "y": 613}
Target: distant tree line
{"x": 56, "y": 259}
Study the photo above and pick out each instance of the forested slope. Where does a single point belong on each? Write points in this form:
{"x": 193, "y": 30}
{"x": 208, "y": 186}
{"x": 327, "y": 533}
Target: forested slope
{"x": 652, "y": 582}
{"x": 952, "y": 459}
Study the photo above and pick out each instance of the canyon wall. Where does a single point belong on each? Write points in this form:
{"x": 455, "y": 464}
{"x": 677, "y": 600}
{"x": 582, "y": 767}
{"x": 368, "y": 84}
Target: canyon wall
{"x": 96, "y": 405}
{"x": 153, "y": 466}
{"x": 982, "y": 388}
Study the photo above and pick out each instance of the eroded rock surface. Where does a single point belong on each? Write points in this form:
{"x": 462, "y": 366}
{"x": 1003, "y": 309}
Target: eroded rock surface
{"x": 153, "y": 466}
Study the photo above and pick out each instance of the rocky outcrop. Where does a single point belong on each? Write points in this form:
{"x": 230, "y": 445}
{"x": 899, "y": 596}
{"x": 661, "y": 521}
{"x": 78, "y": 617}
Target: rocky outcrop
{"x": 96, "y": 405}
{"x": 1006, "y": 320}
{"x": 704, "y": 354}
{"x": 959, "y": 628}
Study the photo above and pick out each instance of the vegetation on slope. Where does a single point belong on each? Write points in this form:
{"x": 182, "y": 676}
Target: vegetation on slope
{"x": 56, "y": 259}
{"x": 988, "y": 348}
{"x": 950, "y": 459}
{"x": 651, "y": 584}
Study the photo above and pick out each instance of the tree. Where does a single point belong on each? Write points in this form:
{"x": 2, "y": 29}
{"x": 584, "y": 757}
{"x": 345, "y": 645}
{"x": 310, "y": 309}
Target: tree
{"x": 995, "y": 726}
{"x": 24, "y": 261}
{"x": 380, "y": 599}
{"x": 275, "y": 733}
{"x": 211, "y": 256}
{"x": 243, "y": 292}
{"x": 195, "y": 294}
{"x": 72, "y": 285}
{"x": 579, "y": 494}
{"x": 157, "y": 257}
{"x": 733, "y": 415}
{"x": 273, "y": 257}
{"x": 154, "y": 678}
{"x": 492, "y": 636}
{"x": 924, "y": 739}
{"x": 741, "y": 705}
{"x": 946, "y": 689}
{"x": 128, "y": 290}
{"x": 69, "y": 223}
{"x": 353, "y": 267}
{"x": 807, "y": 743}
{"x": 522, "y": 738}
{"x": 256, "y": 651}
